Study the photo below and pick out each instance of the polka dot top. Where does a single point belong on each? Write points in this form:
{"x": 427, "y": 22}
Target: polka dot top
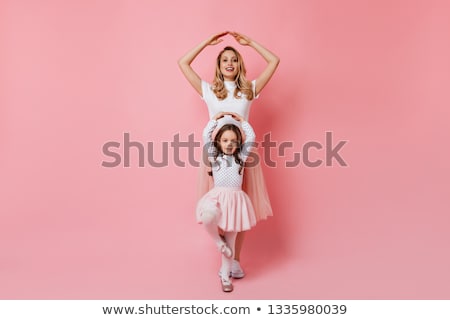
{"x": 225, "y": 169}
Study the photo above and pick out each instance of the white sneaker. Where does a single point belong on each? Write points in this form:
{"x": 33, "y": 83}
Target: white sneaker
{"x": 236, "y": 271}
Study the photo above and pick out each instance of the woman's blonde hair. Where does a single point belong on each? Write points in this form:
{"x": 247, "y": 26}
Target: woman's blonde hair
{"x": 243, "y": 86}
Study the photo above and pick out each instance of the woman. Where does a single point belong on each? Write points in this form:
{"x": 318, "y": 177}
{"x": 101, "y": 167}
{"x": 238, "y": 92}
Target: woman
{"x": 232, "y": 92}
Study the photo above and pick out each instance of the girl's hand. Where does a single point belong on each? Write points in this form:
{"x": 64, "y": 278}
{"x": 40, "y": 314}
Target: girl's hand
{"x": 240, "y": 38}
{"x": 216, "y": 38}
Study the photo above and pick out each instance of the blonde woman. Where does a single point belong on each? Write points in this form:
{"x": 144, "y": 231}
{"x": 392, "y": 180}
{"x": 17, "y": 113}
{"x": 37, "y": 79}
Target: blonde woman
{"x": 230, "y": 91}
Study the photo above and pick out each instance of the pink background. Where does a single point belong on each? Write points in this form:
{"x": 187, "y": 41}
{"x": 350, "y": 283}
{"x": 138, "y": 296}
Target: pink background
{"x": 77, "y": 74}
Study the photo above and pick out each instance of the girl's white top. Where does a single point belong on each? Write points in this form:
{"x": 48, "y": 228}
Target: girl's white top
{"x": 224, "y": 168}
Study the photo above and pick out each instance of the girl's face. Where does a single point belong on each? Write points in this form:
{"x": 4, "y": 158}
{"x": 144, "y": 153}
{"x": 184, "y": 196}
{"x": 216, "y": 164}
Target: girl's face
{"x": 228, "y": 142}
{"x": 229, "y": 65}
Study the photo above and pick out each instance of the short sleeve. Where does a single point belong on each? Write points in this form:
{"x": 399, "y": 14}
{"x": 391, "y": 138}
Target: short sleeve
{"x": 206, "y": 89}
{"x": 254, "y": 90}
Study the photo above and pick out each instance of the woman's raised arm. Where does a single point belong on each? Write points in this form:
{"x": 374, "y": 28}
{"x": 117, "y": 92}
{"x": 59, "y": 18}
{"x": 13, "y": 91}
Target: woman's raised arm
{"x": 185, "y": 61}
{"x": 271, "y": 59}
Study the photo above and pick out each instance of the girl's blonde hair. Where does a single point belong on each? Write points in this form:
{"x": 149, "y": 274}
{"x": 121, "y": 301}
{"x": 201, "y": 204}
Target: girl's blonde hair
{"x": 243, "y": 86}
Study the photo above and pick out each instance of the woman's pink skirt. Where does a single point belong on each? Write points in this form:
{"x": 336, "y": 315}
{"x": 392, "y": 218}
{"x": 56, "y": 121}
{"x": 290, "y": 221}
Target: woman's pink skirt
{"x": 253, "y": 185}
{"x": 231, "y": 207}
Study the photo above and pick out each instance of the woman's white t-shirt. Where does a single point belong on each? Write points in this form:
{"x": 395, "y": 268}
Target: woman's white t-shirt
{"x": 230, "y": 103}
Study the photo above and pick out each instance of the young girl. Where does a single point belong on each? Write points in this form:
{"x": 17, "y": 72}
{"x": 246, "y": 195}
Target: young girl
{"x": 226, "y": 206}
{"x": 232, "y": 92}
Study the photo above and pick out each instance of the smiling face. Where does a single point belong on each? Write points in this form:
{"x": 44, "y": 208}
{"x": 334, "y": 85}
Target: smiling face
{"x": 229, "y": 65}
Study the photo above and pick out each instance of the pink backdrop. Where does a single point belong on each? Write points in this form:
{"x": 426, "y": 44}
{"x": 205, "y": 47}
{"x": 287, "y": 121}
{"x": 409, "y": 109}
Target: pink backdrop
{"x": 77, "y": 74}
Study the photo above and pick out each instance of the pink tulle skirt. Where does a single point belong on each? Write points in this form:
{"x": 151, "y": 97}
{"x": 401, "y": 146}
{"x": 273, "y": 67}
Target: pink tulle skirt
{"x": 253, "y": 185}
{"x": 231, "y": 207}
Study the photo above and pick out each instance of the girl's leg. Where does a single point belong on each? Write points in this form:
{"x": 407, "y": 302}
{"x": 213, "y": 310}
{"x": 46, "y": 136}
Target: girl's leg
{"x": 224, "y": 247}
{"x": 236, "y": 269}
{"x": 209, "y": 220}
{"x": 239, "y": 242}
{"x": 230, "y": 238}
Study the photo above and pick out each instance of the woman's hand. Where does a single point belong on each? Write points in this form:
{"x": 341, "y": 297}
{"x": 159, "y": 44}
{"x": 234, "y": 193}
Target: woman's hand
{"x": 240, "y": 38}
{"x": 216, "y": 38}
